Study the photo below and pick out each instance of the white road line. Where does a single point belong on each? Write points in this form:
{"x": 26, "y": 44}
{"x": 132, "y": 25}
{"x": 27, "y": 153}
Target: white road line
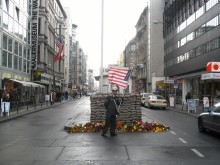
{"x": 198, "y": 153}
{"x": 174, "y": 133}
{"x": 182, "y": 140}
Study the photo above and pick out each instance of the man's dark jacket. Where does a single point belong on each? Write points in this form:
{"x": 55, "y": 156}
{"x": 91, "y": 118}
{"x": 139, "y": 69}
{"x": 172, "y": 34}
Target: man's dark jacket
{"x": 110, "y": 105}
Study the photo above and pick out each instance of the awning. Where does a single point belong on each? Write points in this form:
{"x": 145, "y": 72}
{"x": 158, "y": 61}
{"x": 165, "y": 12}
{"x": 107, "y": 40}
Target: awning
{"x": 25, "y": 83}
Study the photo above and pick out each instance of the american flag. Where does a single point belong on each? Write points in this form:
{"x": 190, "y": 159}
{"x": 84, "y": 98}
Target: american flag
{"x": 119, "y": 76}
{"x": 60, "y": 45}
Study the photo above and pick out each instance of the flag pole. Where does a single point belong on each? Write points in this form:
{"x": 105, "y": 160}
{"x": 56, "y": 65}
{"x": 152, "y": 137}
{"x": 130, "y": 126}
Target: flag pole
{"x": 101, "y": 71}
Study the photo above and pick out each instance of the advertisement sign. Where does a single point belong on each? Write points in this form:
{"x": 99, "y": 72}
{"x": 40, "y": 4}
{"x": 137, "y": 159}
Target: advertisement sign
{"x": 192, "y": 104}
{"x": 34, "y": 33}
{"x": 37, "y": 75}
{"x": 5, "y": 106}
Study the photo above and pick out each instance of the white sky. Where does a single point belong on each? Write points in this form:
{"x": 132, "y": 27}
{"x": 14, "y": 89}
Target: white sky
{"x": 120, "y": 18}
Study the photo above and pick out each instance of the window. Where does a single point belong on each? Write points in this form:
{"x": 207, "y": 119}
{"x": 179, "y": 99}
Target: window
{"x": 210, "y": 4}
{"x": 200, "y": 31}
{"x": 17, "y": 11}
{"x": 199, "y": 50}
{"x": 7, "y": 51}
{"x": 212, "y": 24}
{"x": 16, "y": 62}
{"x": 190, "y": 37}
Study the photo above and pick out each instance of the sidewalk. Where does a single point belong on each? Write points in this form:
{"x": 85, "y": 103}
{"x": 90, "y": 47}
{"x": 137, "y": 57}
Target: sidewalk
{"x": 22, "y": 111}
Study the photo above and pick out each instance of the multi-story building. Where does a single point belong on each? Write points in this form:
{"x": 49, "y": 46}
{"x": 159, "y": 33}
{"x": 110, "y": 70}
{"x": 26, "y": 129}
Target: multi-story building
{"x": 68, "y": 46}
{"x": 149, "y": 54}
{"x": 73, "y": 59}
{"x": 28, "y": 35}
{"x": 15, "y": 40}
{"x": 82, "y": 69}
{"x": 48, "y": 23}
{"x": 130, "y": 62}
{"x": 192, "y": 39}
{"x": 90, "y": 80}
{"x": 78, "y": 64}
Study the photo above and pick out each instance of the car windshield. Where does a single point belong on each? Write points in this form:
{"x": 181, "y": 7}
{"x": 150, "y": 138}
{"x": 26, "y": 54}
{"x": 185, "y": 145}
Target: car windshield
{"x": 145, "y": 95}
{"x": 158, "y": 97}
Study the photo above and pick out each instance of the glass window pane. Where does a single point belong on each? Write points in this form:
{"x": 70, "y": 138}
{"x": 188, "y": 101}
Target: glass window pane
{"x": 9, "y": 60}
{"x": 28, "y": 67}
{"x": 20, "y": 64}
{"x": 28, "y": 54}
{"x": 10, "y": 44}
{"x": 20, "y": 31}
{"x": 16, "y": 48}
{"x": 24, "y": 66}
{"x": 11, "y": 5}
{"x": 24, "y": 54}
{"x": 10, "y": 24}
{"x": 16, "y": 62}
{"x": 25, "y": 35}
{"x": 16, "y": 28}
{"x": 5, "y": 41}
{"x": 4, "y": 58}
{"x": 5, "y": 20}
{"x": 29, "y": 38}
{"x": 5, "y": 5}
{"x": 20, "y": 50}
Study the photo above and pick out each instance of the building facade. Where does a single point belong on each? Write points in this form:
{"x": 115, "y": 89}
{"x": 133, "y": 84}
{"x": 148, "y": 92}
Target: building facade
{"x": 149, "y": 55}
{"x": 51, "y": 24}
{"x": 15, "y": 40}
{"x": 192, "y": 39}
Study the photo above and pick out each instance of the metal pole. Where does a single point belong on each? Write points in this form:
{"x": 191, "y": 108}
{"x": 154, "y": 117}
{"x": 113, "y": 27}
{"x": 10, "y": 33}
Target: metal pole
{"x": 101, "y": 70}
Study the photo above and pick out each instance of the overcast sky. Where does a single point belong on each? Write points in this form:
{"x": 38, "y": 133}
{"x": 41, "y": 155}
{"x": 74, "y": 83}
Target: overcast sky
{"x": 120, "y": 18}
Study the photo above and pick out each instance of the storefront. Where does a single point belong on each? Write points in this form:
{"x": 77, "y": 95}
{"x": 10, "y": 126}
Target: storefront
{"x": 24, "y": 92}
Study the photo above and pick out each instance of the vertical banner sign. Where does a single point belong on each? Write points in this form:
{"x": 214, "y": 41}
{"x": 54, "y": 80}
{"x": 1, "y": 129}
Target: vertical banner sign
{"x": 34, "y": 34}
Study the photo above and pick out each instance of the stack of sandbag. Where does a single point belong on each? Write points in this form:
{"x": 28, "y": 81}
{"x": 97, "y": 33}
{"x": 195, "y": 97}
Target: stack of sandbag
{"x": 130, "y": 110}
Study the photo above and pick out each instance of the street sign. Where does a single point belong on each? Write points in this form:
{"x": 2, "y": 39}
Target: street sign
{"x": 175, "y": 85}
{"x": 169, "y": 81}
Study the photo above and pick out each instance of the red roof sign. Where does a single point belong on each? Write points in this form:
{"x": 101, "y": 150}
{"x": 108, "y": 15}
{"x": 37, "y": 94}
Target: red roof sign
{"x": 213, "y": 67}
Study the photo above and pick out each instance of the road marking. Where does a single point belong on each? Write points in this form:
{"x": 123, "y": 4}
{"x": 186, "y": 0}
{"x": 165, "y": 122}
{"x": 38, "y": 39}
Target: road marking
{"x": 182, "y": 140}
{"x": 198, "y": 153}
{"x": 174, "y": 133}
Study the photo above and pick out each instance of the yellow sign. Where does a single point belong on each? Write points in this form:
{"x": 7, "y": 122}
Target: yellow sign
{"x": 6, "y": 75}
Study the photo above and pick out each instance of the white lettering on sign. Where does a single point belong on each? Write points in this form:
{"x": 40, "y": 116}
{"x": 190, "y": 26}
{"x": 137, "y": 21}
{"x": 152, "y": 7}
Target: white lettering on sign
{"x": 208, "y": 76}
{"x": 34, "y": 34}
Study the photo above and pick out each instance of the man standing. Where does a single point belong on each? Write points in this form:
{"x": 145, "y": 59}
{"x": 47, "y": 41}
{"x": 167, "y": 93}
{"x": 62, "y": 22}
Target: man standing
{"x": 111, "y": 105}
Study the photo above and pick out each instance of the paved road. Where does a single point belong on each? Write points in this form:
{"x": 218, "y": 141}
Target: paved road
{"x": 39, "y": 139}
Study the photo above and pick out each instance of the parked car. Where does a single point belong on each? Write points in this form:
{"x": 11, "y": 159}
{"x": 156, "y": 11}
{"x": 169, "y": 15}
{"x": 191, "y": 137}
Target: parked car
{"x": 155, "y": 101}
{"x": 88, "y": 93}
{"x": 210, "y": 120}
{"x": 144, "y": 97}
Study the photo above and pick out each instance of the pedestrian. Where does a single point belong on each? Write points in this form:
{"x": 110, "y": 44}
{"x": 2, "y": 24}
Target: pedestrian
{"x": 111, "y": 105}
{"x": 188, "y": 96}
